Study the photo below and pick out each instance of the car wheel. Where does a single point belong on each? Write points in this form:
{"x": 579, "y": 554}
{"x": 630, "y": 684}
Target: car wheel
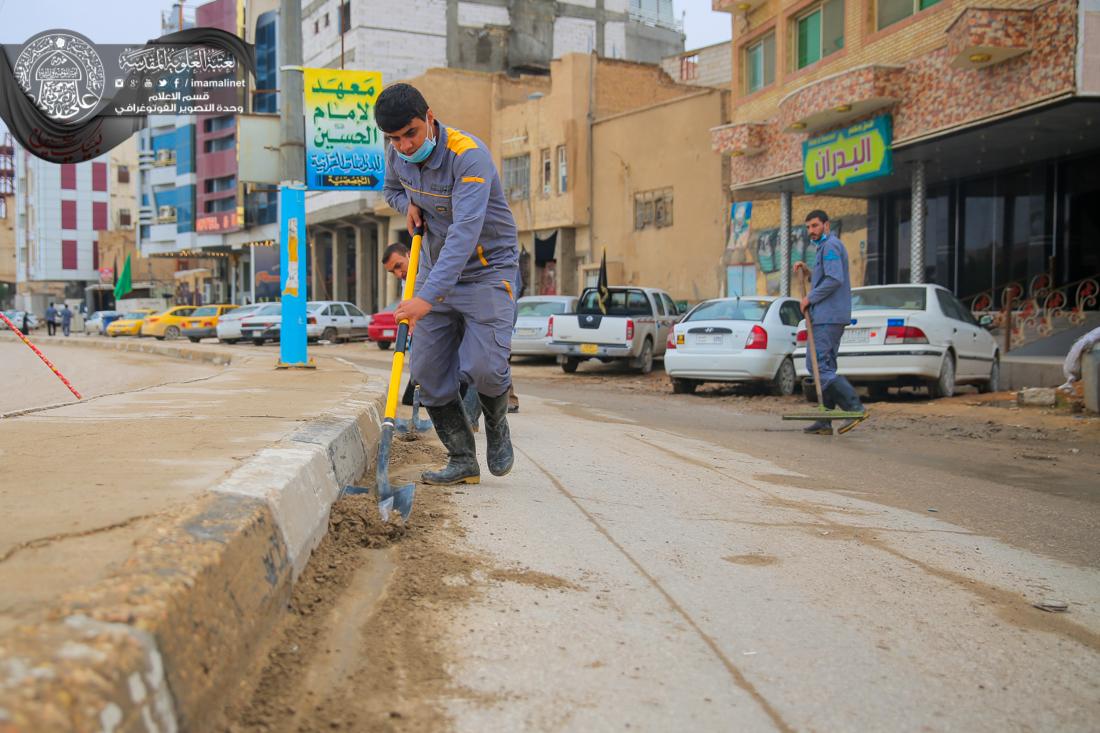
{"x": 230, "y": 341}
{"x": 329, "y": 334}
{"x": 783, "y": 384}
{"x": 193, "y": 340}
{"x": 945, "y": 385}
{"x": 809, "y": 391}
{"x": 683, "y": 386}
{"x": 993, "y": 384}
{"x": 645, "y": 359}
{"x": 259, "y": 342}
{"x": 172, "y": 332}
{"x": 570, "y": 364}
{"x": 384, "y": 345}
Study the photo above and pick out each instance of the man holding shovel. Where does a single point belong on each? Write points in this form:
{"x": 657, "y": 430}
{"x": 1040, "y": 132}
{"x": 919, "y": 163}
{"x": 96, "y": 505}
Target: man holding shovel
{"x": 445, "y": 180}
{"x": 828, "y": 309}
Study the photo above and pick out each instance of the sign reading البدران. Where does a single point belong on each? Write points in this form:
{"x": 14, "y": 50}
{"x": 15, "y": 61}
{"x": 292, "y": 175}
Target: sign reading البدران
{"x": 344, "y": 147}
{"x": 846, "y": 156}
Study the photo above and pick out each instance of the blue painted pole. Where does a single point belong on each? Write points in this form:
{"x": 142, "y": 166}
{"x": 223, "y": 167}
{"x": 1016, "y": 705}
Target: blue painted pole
{"x": 292, "y": 269}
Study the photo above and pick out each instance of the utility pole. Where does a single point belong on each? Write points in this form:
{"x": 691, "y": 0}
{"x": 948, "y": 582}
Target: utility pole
{"x": 292, "y": 162}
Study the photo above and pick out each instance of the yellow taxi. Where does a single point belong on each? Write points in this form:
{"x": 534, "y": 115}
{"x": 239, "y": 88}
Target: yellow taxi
{"x": 203, "y": 323}
{"x": 129, "y": 324}
{"x": 167, "y": 324}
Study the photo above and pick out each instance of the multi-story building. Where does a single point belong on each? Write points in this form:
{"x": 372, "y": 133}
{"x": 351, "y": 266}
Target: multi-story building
{"x": 7, "y": 220}
{"x": 404, "y": 39}
{"x": 956, "y": 141}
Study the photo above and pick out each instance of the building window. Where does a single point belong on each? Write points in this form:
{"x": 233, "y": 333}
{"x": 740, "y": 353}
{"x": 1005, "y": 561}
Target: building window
{"x": 653, "y": 209}
{"x": 760, "y": 63}
{"x": 326, "y": 20}
{"x": 267, "y": 73}
{"x": 95, "y": 255}
{"x": 345, "y": 17}
{"x": 220, "y": 206}
{"x": 316, "y": 27}
{"x": 68, "y": 254}
{"x": 563, "y": 170}
{"x": 124, "y": 174}
{"x": 99, "y": 176}
{"x": 3, "y": 207}
{"x": 517, "y": 177}
{"x": 68, "y": 176}
{"x": 68, "y": 215}
{"x": 99, "y": 215}
{"x": 891, "y": 11}
{"x": 216, "y": 124}
{"x": 220, "y": 144}
{"x": 220, "y": 185}
{"x": 689, "y": 67}
{"x": 547, "y": 172}
{"x": 166, "y": 214}
{"x": 820, "y": 32}
{"x": 124, "y": 218}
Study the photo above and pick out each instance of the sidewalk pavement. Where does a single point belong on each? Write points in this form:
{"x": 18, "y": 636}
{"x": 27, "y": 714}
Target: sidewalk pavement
{"x": 142, "y": 563}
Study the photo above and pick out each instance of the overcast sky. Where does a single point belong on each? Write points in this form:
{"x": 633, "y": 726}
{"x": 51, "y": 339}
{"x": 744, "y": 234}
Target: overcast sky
{"x": 130, "y": 21}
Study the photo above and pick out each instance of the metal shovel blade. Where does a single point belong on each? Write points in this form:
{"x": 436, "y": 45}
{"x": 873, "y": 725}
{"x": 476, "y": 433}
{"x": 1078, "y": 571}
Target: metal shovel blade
{"x": 390, "y": 498}
{"x": 415, "y": 425}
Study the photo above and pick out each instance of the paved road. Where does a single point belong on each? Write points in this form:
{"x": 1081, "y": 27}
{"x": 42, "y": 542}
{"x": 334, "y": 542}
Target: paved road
{"x": 719, "y": 579}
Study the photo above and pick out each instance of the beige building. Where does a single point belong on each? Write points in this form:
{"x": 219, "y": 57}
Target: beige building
{"x": 7, "y": 247}
{"x": 710, "y": 66}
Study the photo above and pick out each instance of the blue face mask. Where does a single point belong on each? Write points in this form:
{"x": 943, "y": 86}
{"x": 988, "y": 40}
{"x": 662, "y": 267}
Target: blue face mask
{"x": 422, "y": 152}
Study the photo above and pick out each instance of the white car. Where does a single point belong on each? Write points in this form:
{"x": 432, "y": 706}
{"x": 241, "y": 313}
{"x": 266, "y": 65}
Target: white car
{"x": 531, "y": 335}
{"x": 741, "y": 339}
{"x": 16, "y": 317}
{"x": 335, "y": 321}
{"x": 263, "y": 324}
{"x": 911, "y": 335}
{"x": 229, "y": 324}
{"x": 96, "y": 324}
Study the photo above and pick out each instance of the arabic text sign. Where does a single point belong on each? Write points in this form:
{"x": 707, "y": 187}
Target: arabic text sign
{"x": 846, "y": 156}
{"x": 344, "y": 147}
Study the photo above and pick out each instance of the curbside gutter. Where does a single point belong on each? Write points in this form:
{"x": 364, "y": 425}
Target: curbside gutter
{"x": 155, "y": 646}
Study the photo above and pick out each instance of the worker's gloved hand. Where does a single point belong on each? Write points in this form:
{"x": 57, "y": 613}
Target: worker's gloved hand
{"x": 413, "y": 219}
{"x": 413, "y": 309}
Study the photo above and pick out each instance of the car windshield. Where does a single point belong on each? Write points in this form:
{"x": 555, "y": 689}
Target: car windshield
{"x": 541, "y": 307}
{"x": 136, "y": 315}
{"x": 730, "y": 309}
{"x": 619, "y": 303}
{"x": 908, "y": 299}
{"x": 206, "y": 310}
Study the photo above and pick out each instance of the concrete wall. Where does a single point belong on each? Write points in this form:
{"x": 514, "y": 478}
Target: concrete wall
{"x": 7, "y": 239}
{"x": 713, "y": 66}
{"x": 663, "y": 146}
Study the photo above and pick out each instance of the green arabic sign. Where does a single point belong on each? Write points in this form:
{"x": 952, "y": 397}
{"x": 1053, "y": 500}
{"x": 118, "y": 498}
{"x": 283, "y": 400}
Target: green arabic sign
{"x": 846, "y": 156}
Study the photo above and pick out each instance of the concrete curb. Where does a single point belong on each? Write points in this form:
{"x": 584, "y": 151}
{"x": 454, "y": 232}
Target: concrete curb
{"x": 212, "y": 354}
{"x": 155, "y": 646}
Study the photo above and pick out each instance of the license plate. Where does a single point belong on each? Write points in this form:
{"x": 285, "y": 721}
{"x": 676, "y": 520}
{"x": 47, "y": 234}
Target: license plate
{"x": 590, "y": 349}
{"x": 389, "y": 334}
{"x": 528, "y": 332}
{"x": 712, "y": 339}
{"x": 856, "y": 336}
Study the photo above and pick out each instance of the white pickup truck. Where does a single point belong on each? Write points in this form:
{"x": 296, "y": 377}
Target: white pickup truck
{"x": 636, "y": 327}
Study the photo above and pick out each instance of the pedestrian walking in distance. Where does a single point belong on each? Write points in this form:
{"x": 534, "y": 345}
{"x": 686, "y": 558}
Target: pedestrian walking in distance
{"x": 444, "y": 180}
{"x": 66, "y": 319}
{"x": 829, "y": 304}
{"x": 51, "y": 320}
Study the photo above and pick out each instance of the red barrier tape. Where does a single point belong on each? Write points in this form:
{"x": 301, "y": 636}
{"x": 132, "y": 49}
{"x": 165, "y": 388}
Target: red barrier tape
{"x": 41, "y": 356}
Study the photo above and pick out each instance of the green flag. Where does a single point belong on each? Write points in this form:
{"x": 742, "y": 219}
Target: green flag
{"x": 124, "y": 286}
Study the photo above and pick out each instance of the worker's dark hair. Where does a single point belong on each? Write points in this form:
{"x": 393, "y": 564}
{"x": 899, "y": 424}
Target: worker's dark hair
{"x": 819, "y": 215}
{"x": 398, "y": 105}
{"x": 394, "y": 249}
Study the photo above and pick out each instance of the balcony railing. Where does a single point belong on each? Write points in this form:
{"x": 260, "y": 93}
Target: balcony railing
{"x": 1039, "y": 310}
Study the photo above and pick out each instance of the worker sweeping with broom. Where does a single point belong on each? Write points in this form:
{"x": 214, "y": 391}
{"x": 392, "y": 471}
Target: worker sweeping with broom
{"x": 445, "y": 181}
{"x": 828, "y": 310}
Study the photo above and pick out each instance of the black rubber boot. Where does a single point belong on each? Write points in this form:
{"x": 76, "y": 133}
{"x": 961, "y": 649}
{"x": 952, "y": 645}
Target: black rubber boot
{"x": 848, "y": 400}
{"x": 823, "y": 427}
{"x": 454, "y": 431}
{"x": 472, "y": 406}
{"x": 500, "y": 456}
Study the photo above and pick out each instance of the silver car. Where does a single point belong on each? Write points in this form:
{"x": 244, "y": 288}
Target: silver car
{"x": 531, "y": 336}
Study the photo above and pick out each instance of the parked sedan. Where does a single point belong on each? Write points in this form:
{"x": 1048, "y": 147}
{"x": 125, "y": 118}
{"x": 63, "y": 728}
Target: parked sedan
{"x": 99, "y": 321}
{"x": 383, "y": 327}
{"x": 228, "y": 327}
{"x": 264, "y": 324}
{"x": 16, "y": 317}
{"x": 203, "y": 323}
{"x": 167, "y": 324}
{"x": 911, "y": 335}
{"x": 129, "y": 324}
{"x": 531, "y": 335}
{"x": 335, "y": 321}
{"x": 745, "y": 339}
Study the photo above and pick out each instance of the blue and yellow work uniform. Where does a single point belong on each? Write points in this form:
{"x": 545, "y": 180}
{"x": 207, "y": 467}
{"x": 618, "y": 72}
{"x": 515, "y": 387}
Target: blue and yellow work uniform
{"x": 469, "y": 265}
{"x": 830, "y": 306}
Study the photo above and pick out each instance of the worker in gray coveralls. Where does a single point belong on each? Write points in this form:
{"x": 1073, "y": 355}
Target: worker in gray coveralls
{"x": 829, "y": 304}
{"x": 445, "y": 180}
